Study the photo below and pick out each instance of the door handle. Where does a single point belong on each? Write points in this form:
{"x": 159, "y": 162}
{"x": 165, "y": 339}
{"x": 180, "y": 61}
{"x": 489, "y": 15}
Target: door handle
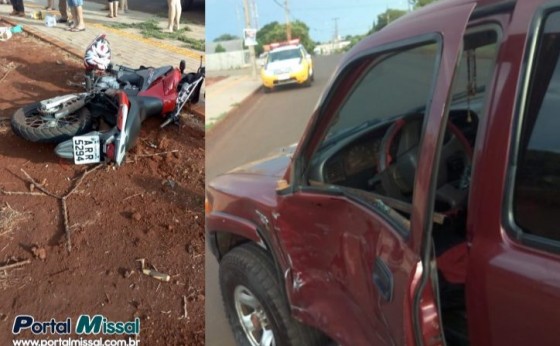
{"x": 383, "y": 279}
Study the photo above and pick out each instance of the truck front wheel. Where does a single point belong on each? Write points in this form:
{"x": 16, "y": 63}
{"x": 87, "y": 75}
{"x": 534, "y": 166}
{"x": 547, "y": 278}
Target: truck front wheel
{"x": 255, "y": 302}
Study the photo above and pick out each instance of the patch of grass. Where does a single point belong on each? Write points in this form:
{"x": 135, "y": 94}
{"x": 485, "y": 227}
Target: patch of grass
{"x": 151, "y": 29}
{"x": 193, "y": 43}
{"x": 9, "y": 218}
{"x": 183, "y": 20}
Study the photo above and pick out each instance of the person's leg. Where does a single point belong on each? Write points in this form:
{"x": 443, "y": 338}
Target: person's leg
{"x": 73, "y": 10}
{"x": 80, "y": 18}
{"x": 170, "y": 15}
{"x": 14, "y": 6}
{"x": 21, "y": 9}
{"x": 124, "y": 5}
{"x": 18, "y": 7}
{"x": 111, "y": 14}
{"x": 116, "y": 8}
{"x": 178, "y": 11}
{"x": 63, "y": 8}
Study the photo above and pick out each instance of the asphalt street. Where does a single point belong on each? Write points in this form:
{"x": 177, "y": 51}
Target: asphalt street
{"x": 260, "y": 125}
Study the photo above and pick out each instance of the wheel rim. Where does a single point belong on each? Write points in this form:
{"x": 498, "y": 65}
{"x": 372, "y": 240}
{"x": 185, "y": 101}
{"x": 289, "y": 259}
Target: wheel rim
{"x": 41, "y": 121}
{"x": 252, "y": 317}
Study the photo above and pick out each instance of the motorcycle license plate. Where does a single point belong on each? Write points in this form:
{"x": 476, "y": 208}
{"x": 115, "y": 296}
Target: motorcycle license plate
{"x": 86, "y": 149}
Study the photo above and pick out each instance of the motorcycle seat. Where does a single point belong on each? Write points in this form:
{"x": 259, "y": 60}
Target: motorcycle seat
{"x": 143, "y": 78}
{"x": 131, "y": 77}
{"x": 145, "y": 106}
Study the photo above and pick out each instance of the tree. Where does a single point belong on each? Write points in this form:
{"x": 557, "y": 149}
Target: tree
{"x": 219, "y": 49}
{"x": 276, "y": 32}
{"x": 387, "y": 17}
{"x": 420, "y": 3}
{"x": 226, "y": 37}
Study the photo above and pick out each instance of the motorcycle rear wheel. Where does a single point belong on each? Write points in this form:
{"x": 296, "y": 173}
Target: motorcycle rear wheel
{"x": 31, "y": 125}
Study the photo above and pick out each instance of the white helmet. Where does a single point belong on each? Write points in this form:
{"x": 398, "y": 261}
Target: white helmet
{"x": 98, "y": 54}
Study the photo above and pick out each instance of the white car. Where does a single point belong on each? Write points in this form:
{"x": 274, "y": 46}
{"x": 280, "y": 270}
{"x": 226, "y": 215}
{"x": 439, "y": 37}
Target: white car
{"x": 287, "y": 64}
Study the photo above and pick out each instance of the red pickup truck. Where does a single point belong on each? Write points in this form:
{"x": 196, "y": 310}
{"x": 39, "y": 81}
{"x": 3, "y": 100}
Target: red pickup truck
{"x": 419, "y": 206}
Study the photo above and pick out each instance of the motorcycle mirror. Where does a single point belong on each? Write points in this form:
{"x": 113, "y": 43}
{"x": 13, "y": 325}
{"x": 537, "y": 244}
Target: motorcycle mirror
{"x": 182, "y": 66}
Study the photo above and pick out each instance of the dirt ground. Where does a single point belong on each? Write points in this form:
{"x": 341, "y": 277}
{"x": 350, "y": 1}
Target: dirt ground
{"x": 151, "y": 207}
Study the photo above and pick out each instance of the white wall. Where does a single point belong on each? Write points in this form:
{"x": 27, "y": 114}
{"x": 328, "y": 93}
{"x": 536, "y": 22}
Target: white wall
{"x": 227, "y": 60}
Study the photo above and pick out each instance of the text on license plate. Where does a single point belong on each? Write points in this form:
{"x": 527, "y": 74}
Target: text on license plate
{"x": 86, "y": 149}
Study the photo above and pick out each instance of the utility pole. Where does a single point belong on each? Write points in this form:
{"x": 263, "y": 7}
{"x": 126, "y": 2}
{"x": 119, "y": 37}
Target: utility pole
{"x": 251, "y": 48}
{"x": 288, "y": 25}
{"x": 255, "y": 14}
{"x": 335, "y": 39}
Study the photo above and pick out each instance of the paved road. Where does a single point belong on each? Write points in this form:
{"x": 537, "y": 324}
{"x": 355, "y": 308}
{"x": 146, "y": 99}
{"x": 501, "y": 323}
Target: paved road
{"x": 265, "y": 123}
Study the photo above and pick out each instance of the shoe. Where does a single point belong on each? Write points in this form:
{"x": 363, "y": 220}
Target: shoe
{"x": 62, "y": 20}
{"x": 20, "y": 14}
{"x": 77, "y": 29}
{"x": 13, "y": 13}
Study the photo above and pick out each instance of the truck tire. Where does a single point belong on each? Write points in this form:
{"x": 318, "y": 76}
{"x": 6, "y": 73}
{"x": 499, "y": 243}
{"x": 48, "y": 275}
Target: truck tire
{"x": 251, "y": 292}
{"x": 28, "y": 124}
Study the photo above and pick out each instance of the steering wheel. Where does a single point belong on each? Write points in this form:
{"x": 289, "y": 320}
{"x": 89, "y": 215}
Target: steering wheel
{"x": 397, "y": 171}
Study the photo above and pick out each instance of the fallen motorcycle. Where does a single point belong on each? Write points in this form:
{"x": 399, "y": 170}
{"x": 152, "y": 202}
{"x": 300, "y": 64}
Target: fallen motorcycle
{"x": 119, "y": 96}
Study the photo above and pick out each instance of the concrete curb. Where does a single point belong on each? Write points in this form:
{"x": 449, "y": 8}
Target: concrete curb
{"x": 196, "y": 110}
{"x": 73, "y": 51}
{"x": 241, "y": 104}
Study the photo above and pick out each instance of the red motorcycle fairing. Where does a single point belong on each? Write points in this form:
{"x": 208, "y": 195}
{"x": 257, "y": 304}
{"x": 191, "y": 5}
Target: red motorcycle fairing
{"x": 164, "y": 88}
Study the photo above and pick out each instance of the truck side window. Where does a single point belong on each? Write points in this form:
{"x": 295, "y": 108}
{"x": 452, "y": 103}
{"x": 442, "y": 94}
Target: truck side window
{"x": 395, "y": 85}
{"x": 536, "y": 199}
{"x": 400, "y": 83}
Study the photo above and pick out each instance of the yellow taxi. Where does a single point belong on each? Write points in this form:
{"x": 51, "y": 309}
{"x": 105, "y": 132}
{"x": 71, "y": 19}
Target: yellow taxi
{"x": 287, "y": 63}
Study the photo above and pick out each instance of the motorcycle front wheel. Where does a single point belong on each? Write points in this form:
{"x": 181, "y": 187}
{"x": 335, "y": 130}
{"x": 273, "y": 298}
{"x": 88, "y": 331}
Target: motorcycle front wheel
{"x": 33, "y": 126}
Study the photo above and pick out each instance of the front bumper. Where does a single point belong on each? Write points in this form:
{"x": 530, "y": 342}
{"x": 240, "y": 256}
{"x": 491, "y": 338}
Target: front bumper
{"x": 272, "y": 80}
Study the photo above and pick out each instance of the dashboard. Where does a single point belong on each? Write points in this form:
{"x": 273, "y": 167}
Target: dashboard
{"x": 353, "y": 160}
{"x": 354, "y": 163}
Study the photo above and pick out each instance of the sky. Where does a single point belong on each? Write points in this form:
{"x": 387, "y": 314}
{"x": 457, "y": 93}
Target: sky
{"x": 355, "y": 17}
